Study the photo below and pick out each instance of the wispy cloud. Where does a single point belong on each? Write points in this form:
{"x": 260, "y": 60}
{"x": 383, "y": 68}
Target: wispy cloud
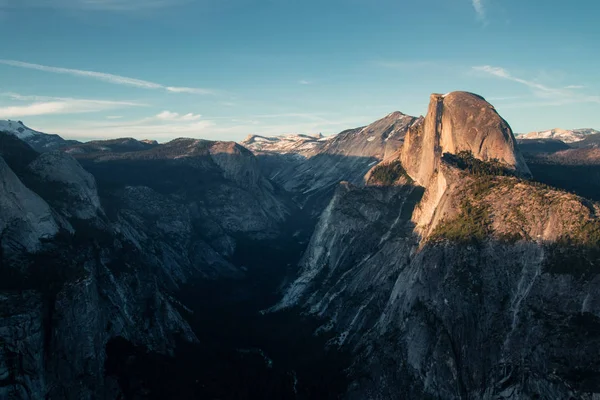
{"x": 479, "y": 10}
{"x": 109, "y": 78}
{"x": 44, "y": 105}
{"x": 168, "y": 125}
{"x": 552, "y": 96}
{"x": 141, "y": 129}
{"x": 304, "y": 82}
{"x": 504, "y": 74}
{"x": 173, "y": 116}
{"x": 114, "y": 117}
{"x": 575, "y": 87}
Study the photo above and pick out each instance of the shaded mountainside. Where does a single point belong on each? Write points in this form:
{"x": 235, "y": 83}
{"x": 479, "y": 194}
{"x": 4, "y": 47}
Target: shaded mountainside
{"x": 196, "y": 269}
{"x": 479, "y": 284}
{"x": 310, "y": 168}
{"x": 93, "y": 255}
{"x": 573, "y": 166}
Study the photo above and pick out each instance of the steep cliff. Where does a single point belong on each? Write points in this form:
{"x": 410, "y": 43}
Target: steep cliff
{"x": 310, "y": 167}
{"x": 88, "y": 258}
{"x": 26, "y": 219}
{"x": 455, "y": 122}
{"x": 475, "y": 284}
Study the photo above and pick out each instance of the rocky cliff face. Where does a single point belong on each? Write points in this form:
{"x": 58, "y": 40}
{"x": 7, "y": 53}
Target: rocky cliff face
{"x": 26, "y": 219}
{"x": 477, "y": 285}
{"x": 444, "y": 272}
{"x": 89, "y": 257}
{"x": 311, "y": 167}
{"x": 459, "y": 121}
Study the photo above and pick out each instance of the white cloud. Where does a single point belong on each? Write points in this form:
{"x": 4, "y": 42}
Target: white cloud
{"x": 575, "y": 87}
{"x": 173, "y": 116}
{"x": 304, "y": 82}
{"x": 44, "y": 105}
{"x": 109, "y": 78}
{"x": 222, "y": 128}
{"x": 114, "y": 117}
{"x": 479, "y": 9}
{"x": 504, "y": 74}
{"x": 141, "y": 129}
{"x": 32, "y": 109}
{"x": 553, "y": 96}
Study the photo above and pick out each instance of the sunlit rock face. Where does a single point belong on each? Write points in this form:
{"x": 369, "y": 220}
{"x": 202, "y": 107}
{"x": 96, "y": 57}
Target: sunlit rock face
{"x": 459, "y": 121}
{"x": 443, "y": 277}
{"x": 461, "y": 283}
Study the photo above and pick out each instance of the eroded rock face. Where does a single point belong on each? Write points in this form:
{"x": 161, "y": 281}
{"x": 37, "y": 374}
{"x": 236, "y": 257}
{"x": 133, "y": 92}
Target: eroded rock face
{"x": 459, "y": 121}
{"x": 310, "y": 167}
{"x": 483, "y": 288}
{"x": 25, "y": 218}
{"x": 21, "y": 346}
{"x": 75, "y": 189}
{"x": 165, "y": 215}
{"x": 457, "y": 318}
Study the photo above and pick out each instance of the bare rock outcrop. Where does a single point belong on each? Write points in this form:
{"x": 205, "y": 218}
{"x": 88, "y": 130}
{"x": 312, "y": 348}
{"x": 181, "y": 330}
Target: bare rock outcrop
{"x": 26, "y": 218}
{"x": 459, "y": 121}
{"x": 78, "y": 193}
{"x": 479, "y": 285}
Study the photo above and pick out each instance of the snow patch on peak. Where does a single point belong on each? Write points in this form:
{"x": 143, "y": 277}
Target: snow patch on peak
{"x": 17, "y": 128}
{"x": 564, "y": 135}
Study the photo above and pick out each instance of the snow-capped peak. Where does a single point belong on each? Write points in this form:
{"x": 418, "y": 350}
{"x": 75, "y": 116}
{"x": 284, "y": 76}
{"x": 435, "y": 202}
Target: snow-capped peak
{"x": 17, "y": 128}
{"x": 564, "y": 135}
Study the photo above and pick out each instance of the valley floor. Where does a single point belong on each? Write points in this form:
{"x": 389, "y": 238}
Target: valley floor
{"x": 243, "y": 353}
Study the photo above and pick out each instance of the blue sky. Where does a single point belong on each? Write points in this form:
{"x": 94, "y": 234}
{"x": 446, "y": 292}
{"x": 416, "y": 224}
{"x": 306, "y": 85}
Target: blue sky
{"x": 223, "y": 69}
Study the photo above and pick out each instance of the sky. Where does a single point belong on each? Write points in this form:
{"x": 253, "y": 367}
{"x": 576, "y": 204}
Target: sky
{"x": 224, "y": 69}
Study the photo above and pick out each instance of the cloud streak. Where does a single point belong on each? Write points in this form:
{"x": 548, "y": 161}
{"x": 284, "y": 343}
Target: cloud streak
{"x": 504, "y": 74}
{"x": 43, "y": 105}
{"x": 479, "y": 9}
{"x": 105, "y": 77}
{"x": 173, "y": 116}
{"x": 553, "y": 96}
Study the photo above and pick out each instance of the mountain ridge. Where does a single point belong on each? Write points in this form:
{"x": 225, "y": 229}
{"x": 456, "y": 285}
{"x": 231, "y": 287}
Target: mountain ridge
{"x": 436, "y": 291}
{"x": 438, "y": 266}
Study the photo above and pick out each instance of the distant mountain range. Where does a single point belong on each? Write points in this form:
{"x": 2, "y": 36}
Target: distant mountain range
{"x": 39, "y": 141}
{"x": 434, "y": 257}
{"x": 564, "y": 135}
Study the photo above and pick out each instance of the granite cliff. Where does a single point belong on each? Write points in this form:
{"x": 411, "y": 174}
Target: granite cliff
{"x": 89, "y": 258}
{"x": 458, "y": 278}
{"x": 439, "y": 268}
